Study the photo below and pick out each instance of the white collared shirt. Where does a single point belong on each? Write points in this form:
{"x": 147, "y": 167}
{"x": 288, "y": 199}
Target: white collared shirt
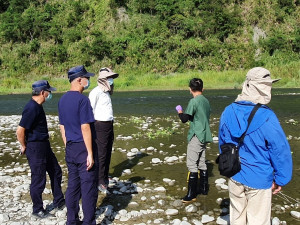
{"x": 101, "y": 104}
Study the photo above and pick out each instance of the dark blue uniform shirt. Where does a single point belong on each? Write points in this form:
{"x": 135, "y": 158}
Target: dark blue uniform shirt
{"x": 34, "y": 121}
{"x": 74, "y": 110}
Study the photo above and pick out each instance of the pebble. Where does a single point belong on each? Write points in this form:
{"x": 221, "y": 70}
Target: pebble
{"x": 207, "y": 219}
{"x": 171, "y": 212}
{"x": 295, "y": 214}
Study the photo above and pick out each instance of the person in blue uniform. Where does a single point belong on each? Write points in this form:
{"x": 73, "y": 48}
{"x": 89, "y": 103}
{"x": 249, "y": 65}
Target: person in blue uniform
{"x": 76, "y": 121}
{"x": 32, "y": 133}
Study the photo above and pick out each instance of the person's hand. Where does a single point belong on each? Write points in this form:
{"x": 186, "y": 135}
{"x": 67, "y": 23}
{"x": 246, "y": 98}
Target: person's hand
{"x": 179, "y": 109}
{"x": 89, "y": 162}
{"x": 276, "y": 188}
{"x": 22, "y": 150}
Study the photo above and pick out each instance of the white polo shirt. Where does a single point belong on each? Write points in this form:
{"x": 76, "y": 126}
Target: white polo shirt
{"x": 101, "y": 104}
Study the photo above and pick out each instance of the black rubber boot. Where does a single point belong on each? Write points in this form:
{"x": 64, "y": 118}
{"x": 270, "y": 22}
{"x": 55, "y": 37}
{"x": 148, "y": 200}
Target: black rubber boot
{"x": 203, "y": 183}
{"x": 192, "y": 188}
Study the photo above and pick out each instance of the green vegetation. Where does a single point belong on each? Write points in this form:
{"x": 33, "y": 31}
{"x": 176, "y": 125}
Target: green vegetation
{"x": 153, "y": 44}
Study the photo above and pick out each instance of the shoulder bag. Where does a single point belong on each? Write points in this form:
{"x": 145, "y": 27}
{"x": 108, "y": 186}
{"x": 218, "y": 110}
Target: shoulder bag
{"x": 229, "y": 159}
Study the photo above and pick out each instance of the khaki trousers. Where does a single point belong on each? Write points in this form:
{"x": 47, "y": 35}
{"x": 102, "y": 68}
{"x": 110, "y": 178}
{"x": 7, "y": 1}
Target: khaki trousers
{"x": 249, "y": 206}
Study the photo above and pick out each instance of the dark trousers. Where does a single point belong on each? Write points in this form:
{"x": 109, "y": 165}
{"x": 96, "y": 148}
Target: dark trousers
{"x": 41, "y": 159}
{"x": 81, "y": 184}
{"x": 104, "y": 140}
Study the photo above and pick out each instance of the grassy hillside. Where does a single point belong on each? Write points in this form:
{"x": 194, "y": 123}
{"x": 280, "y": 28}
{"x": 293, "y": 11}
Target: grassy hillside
{"x": 153, "y": 44}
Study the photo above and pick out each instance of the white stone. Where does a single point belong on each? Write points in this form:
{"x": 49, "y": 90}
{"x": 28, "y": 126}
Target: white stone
{"x": 215, "y": 139}
{"x": 143, "y": 198}
{"x": 156, "y": 160}
{"x": 171, "y": 212}
{"x": 223, "y": 220}
{"x": 275, "y": 221}
{"x": 161, "y": 202}
{"x": 160, "y": 189}
{"x": 3, "y": 218}
{"x": 224, "y": 187}
{"x": 220, "y": 181}
{"x": 127, "y": 171}
{"x": 167, "y": 180}
{"x": 295, "y": 214}
{"x": 191, "y": 208}
{"x": 176, "y": 222}
{"x": 158, "y": 221}
{"x": 196, "y": 222}
{"x": 207, "y": 219}
{"x": 185, "y": 223}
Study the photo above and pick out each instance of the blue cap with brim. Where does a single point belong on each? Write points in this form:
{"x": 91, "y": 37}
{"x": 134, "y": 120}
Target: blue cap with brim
{"x": 78, "y": 71}
{"x": 42, "y": 85}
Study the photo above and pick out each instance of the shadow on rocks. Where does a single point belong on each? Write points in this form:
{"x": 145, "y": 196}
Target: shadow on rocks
{"x": 127, "y": 164}
{"x": 119, "y": 198}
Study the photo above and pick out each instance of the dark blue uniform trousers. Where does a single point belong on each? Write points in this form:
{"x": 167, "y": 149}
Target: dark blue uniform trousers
{"x": 81, "y": 184}
{"x": 41, "y": 159}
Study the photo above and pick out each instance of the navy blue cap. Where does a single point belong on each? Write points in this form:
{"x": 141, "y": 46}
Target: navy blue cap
{"x": 78, "y": 71}
{"x": 42, "y": 85}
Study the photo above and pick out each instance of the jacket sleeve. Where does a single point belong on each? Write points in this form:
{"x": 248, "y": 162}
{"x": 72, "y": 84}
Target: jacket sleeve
{"x": 279, "y": 151}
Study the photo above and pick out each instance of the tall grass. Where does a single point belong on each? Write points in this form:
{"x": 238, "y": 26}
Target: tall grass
{"x": 128, "y": 81}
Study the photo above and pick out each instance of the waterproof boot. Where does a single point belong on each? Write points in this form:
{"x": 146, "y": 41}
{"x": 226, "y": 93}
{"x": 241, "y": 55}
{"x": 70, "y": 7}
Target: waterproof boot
{"x": 203, "y": 183}
{"x": 192, "y": 188}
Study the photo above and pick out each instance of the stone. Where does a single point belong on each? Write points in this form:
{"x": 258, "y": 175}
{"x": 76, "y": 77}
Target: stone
{"x": 177, "y": 203}
{"x": 275, "y": 221}
{"x": 156, "y": 160}
{"x": 191, "y": 208}
{"x": 171, "y": 212}
{"x": 160, "y": 189}
{"x": 295, "y": 214}
{"x": 3, "y": 218}
{"x": 223, "y": 220}
{"x": 207, "y": 219}
{"x": 196, "y": 222}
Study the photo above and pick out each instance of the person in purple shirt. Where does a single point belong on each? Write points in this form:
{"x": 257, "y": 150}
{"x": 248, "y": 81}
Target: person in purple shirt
{"x": 76, "y": 121}
{"x": 32, "y": 133}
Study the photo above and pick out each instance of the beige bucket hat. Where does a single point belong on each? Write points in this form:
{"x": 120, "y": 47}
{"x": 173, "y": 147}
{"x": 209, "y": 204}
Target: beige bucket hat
{"x": 104, "y": 74}
{"x": 257, "y": 87}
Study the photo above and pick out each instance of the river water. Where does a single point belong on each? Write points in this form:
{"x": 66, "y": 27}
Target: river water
{"x": 147, "y": 123}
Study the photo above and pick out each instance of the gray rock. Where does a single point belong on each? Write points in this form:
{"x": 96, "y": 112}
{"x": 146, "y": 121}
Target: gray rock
{"x": 177, "y": 203}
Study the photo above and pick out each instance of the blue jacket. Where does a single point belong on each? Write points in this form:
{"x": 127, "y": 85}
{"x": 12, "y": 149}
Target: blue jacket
{"x": 265, "y": 152}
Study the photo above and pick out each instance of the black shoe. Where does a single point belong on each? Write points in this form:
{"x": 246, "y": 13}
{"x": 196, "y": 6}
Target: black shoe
{"x": 42, "y": 214}
{"x": 60, "y": 206}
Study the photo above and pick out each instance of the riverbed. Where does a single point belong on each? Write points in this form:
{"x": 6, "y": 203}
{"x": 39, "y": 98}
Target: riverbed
{"x": 148, "y": 162}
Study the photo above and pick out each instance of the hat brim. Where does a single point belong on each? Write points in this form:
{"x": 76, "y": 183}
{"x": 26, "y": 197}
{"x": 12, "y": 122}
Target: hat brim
{"x": 108, "y": 75}
{"x": 275, "y": 80}
{"x": 51, "y": 89}
{"x": 88, "y": 75}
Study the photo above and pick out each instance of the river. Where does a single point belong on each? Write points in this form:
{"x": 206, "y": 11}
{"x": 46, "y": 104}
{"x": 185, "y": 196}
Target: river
{"x": 147, "y": 123}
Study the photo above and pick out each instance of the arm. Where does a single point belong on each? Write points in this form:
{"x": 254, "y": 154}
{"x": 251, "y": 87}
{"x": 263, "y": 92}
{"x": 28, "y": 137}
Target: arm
{"x": 184, "y": 117}
{"x": 63, "y": 133}
{"x": 21, "y": 138}
{"x": 279, "y": 152}
{"x": 87, "y": 137}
